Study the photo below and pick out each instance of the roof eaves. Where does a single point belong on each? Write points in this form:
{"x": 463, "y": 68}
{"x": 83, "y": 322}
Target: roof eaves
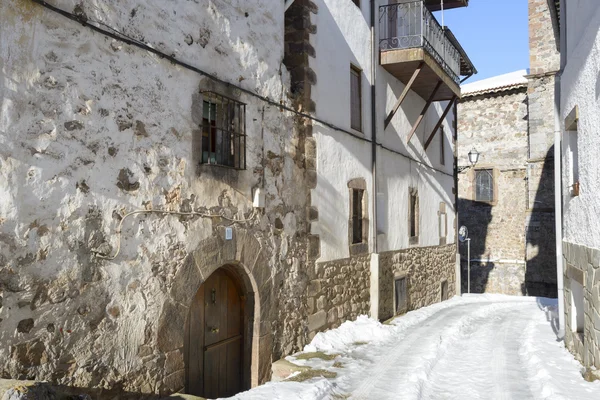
{"x": 496, "y": 89}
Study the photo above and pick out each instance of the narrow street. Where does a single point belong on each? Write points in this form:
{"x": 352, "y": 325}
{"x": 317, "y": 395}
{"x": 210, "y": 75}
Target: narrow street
{"x": 477, "y": 347}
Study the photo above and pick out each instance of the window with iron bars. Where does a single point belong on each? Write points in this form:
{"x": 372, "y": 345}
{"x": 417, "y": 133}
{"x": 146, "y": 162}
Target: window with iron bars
{"x": 223, "y": 131}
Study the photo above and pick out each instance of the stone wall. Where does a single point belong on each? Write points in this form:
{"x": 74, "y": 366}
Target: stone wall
{"x": 512, "y": 237}
{"x": 339, "y": 292}
{"x": 582, "y": 266}
{"x": 93, "y": 129}
{"x": 543, "y": 38}
{"x": 496, "y": 125}
{"x": 425, "y": 269}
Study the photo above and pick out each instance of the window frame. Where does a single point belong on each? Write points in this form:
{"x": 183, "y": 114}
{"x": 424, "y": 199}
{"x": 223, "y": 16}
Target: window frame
{"x": 356, "y": 71}
{"x": 572, "y": 151}
{"x": 400, "y": 309}
{"x": 413, "y": 216}
{"x": 356, "y": 186}
{"x": 494, "y": 176}
{"x": 225, "y": 123}
{"x": 442, "y": 146}
{"x": 443, "y": 228}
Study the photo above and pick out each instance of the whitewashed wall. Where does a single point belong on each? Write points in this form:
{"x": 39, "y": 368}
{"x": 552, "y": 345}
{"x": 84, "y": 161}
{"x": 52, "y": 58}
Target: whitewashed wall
{"x": 342, "y": 38}
{"x": 77, "y": 108}
{"x": 580, "y": 86}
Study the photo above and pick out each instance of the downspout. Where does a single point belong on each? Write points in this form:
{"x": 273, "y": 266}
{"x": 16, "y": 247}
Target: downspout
{"x": 374, "y": 265}
{"x": 558, "y": 210}
{"x": 374, "y": 62}
{"x": 558, "y": 214}
{"x": 458, "y": 287}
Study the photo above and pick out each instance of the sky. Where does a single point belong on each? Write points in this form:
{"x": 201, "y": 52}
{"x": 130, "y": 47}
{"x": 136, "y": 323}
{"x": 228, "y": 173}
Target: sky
{"x": 494, "y": 33}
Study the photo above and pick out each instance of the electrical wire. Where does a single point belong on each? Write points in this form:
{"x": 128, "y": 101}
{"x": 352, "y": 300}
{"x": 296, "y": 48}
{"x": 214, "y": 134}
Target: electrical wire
{"x": 98, "y": 254}
{"x": 117, "y": 35}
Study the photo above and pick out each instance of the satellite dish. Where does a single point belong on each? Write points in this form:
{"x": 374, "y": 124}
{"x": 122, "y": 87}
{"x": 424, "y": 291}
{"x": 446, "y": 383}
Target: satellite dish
{"x": 463, "y": 233}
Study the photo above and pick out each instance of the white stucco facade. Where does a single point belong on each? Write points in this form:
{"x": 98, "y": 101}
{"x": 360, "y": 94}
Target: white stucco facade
{"x": 579, "y": 122}
{"x": 580, "y": 87}
{"x": 344, "y": 31}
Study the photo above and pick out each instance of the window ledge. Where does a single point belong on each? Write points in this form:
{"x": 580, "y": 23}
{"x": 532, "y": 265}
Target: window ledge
{"x": 359, "y": 248}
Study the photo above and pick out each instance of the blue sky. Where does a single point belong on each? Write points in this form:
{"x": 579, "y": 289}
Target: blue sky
{"x": 494, "y": 33}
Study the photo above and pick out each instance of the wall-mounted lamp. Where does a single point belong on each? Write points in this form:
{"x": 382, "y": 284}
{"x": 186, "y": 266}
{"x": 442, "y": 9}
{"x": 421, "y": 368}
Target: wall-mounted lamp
{"x": 473, "y": 158}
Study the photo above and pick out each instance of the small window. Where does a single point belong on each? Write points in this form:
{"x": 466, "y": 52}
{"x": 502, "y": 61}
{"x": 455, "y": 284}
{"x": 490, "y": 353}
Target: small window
{"x": 223, "y": 131}
{"x": 573, "y": 159}
{"x": 357, "y": 216}
{"x": 357, "y": 3}
{"x": 484, "y": 185}
{"x": 442, "y": 146}
{"x": 577, "y": 307}
{"x": 444, "y": 290}
{"x": 355, "y": 99}
{"x": 413, "y": 217}
{"x": 443, "y": 223}
{"x": 400, "y": 295}
{"x": 571, "y": 126}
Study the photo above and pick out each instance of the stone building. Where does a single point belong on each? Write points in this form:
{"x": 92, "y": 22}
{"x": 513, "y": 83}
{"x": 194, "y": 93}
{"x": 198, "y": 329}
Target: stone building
{"x": 186, "y": 185}
{"x": 578, "y": 122}
{"x": 507, "y": 199}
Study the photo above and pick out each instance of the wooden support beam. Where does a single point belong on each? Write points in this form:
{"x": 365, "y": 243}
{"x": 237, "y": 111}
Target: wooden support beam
{"x": 403, "y": 95}
{"x": 440, "y": 122}
{"x": 422, "y": 115}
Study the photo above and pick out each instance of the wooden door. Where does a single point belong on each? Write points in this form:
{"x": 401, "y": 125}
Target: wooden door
{"x": 216, "y": 338}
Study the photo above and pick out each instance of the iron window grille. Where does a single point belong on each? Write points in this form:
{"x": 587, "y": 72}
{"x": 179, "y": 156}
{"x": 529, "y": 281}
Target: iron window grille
{"x": 484, "y": 185}
{"x": 223, "y": 131}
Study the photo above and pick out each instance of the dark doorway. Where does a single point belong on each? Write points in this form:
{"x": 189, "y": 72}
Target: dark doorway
{"x": 216, "y": 343}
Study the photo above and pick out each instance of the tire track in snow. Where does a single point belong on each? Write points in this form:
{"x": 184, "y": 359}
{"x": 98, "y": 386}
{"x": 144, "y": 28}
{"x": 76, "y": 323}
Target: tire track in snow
{"x": 489, "y": 356}
{"x": 417, "y": 351}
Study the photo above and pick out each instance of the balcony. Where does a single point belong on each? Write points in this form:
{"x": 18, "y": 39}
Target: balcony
{"x": 436, "y": 5}
{"x": 419, "y": 52}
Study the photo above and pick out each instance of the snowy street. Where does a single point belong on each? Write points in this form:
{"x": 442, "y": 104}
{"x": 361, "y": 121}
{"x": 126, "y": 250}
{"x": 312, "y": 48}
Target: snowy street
{"x": 475, "y": 347}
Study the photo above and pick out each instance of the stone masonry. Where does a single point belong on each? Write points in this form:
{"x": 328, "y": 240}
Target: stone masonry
{"x": 425, "y": 268}
{"x": 513, "y": 242}
{"x": 92, "y": 129}
{"x": 340, "y": 293}
{"x": 496, "y": 125}
{"x": 582, "y": 267}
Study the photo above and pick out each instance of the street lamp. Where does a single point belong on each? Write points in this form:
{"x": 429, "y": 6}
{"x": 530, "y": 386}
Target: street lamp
{"x": 473, "y": 158}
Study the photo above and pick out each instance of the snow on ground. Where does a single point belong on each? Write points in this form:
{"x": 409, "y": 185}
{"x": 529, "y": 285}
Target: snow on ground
{"x": 470, "y": 347}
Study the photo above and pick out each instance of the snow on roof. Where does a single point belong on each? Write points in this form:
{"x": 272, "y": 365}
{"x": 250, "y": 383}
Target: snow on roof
{"x": 498, "y": 83}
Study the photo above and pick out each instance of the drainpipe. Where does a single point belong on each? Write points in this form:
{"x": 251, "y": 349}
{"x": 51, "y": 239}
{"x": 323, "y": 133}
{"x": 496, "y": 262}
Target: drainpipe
{"x": 558, "y": 207}
{"x": 374, "y": 265}
{"x": 458, "y": 267}
{"x": 558, "y": 213}
{"x": 374, "y": 59}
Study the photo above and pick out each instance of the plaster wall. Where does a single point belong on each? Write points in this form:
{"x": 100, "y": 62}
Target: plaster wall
{"x": 577, "y": 16}
{"x": 90, "y": 129}
{"x": 343, "y": 29}
{"x": 580, "y": 86}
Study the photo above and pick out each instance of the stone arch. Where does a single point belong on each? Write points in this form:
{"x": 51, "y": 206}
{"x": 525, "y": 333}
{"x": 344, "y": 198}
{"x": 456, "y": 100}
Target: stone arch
{"x": 244, "y": 256}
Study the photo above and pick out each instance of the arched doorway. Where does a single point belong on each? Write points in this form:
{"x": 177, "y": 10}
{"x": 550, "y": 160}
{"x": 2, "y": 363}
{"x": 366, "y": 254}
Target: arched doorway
{"x": 218, "y": 337}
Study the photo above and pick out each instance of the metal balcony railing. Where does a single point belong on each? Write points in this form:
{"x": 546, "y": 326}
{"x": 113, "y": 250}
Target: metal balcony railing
{"x": 411, "y": 25}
